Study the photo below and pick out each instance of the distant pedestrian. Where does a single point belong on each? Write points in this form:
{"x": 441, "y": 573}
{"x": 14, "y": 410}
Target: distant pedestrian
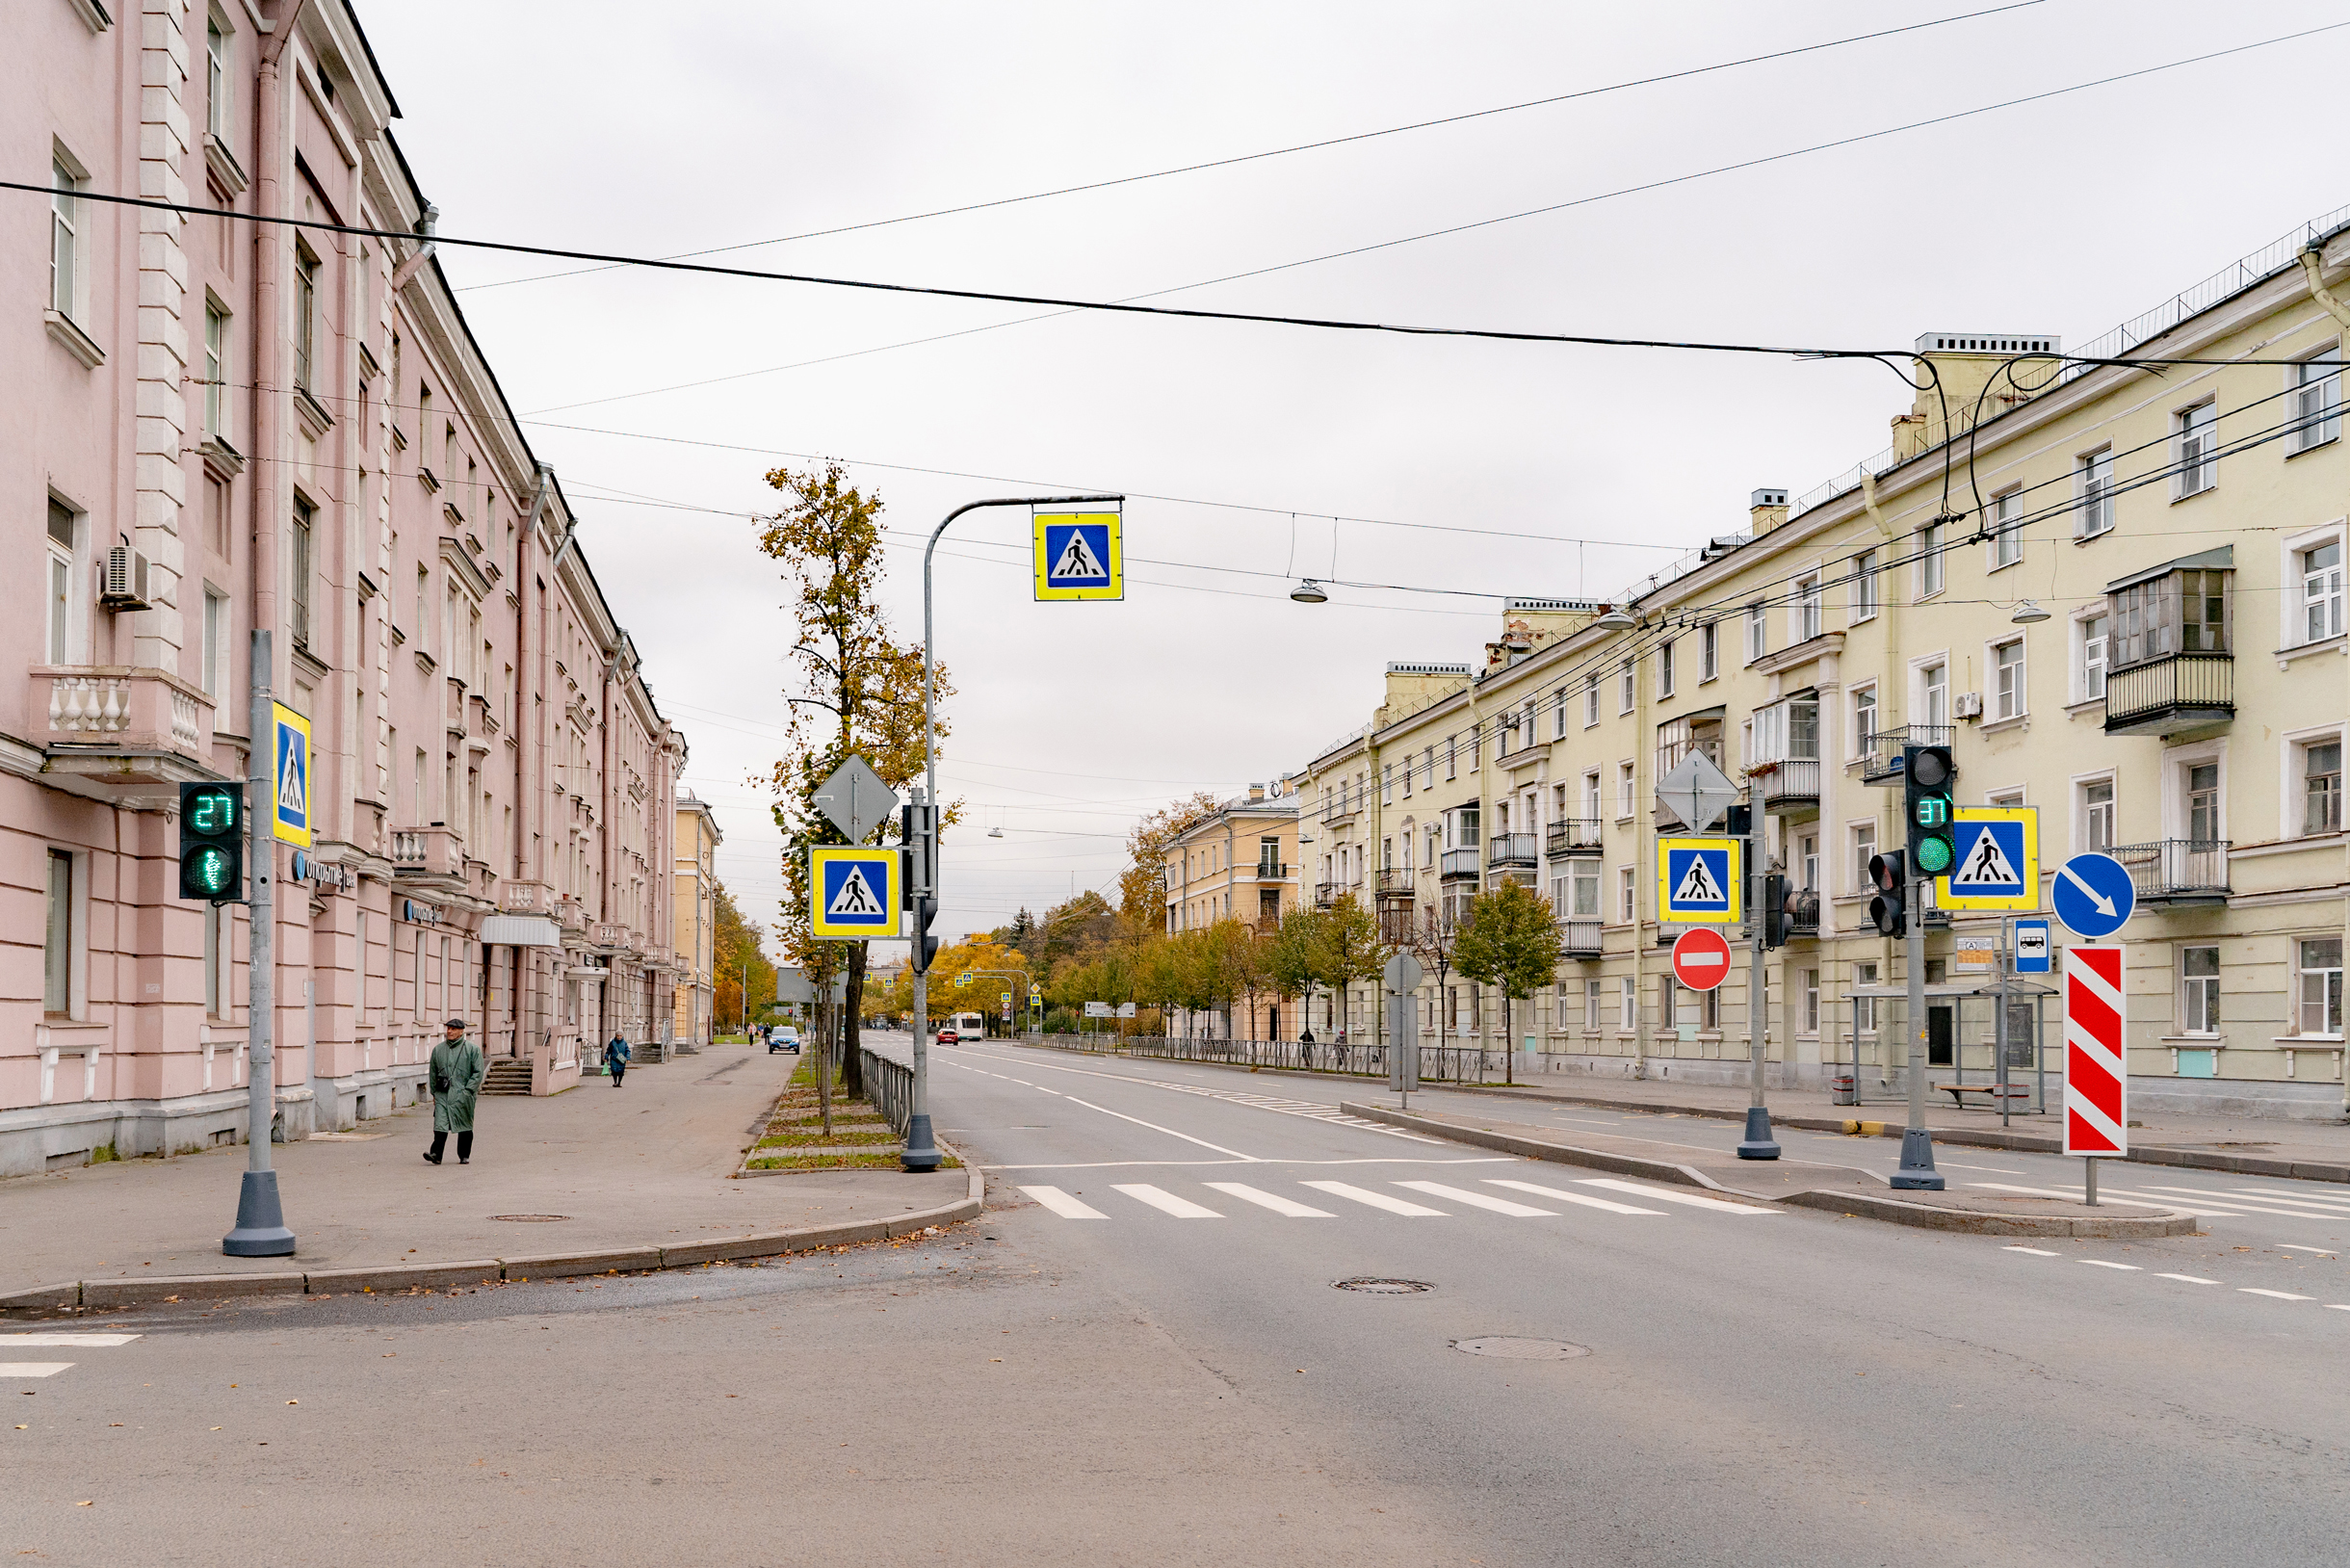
{"x": 616, "y": 1058}
{"x": 456, "y": 1072}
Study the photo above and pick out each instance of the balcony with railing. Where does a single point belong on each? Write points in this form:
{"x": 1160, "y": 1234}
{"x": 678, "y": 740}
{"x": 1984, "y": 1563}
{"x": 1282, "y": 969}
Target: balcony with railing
{"x": 1573, "y": 836}
{"x": 116, "y": 731}
{"x": 1580, "y": 938}
{"x": 2163, "y": 696}
{"x": 1512, "y": 849}
{"x": 526, "y": 898}
{"x": 1266, "y": 871}
{"x": 1459, "y": 865}
{"x": 1789, "y": 783}
{"x": 1326, "y": 894}
{"x": 1802, "y": 912}
{"x": 610, "y": 935}
{"x": 1881, "y": 749}
{"x": 2178, "y": 871}
{"x": 434, "y": 856}
{"x": 1395, "y": 885}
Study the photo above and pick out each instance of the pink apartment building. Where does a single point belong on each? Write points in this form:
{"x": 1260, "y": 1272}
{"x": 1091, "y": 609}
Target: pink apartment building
{"x": 215, "y": 424}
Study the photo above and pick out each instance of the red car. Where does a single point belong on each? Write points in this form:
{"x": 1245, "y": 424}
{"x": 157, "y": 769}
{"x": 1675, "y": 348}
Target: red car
{"x": 948, "y": 1036}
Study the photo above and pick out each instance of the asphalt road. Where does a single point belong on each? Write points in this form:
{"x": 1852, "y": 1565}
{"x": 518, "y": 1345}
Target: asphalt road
{"x": 1175, "y": 1380}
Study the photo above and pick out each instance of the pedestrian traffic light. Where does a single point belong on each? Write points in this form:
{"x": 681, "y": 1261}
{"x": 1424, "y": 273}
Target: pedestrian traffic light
{"x": 1774, "y": 909}
{"x": 1889, "y": 874}
{"x": 926, "y": 946}
{"x": 212, "y": 842}
{"x": 1926, "y": 775}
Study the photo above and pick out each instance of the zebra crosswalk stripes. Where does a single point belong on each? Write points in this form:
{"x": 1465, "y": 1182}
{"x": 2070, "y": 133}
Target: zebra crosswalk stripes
{"x": 1481, "y": 1200}
{"x": 1166, "y": 1202}
{"x": 1279, "y": 1205}
{"x": 13, "y": 1371}
{"x": 1583, "y": 1198}
{"x": 1377, "y": 1200}
{"x": 1456, "y": 1198}
{"x": 1063, "y": 1205}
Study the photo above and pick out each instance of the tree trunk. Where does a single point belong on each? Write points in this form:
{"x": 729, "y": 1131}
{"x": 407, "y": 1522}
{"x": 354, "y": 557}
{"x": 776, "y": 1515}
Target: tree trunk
{"x": 824, "y": 1063}
{"x": 853, "y": 1076}
{"x": 1509, "y": 1043}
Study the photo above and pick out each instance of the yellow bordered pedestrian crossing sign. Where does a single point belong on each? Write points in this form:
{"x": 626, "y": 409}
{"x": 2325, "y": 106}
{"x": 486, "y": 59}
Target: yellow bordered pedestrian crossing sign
{"x": 1080, "y": 555}
{"x": 290, "y": 791}
{"x": 856, "y": 892}
{"x": 1996, "y": 859}
{"x": 1698, "y": 880}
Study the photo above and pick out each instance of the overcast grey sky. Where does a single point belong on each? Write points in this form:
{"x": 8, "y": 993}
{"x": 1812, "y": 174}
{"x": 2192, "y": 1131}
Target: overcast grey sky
{"x": 657, "y": 129}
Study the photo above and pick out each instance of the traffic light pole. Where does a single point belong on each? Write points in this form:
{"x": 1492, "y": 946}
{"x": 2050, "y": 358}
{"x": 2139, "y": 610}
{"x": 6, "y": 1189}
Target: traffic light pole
{"x": 1757, "y": 1143}
{"x": 921, "y": 1144}
{"x": 1917, "y": 1172}
{"x": 261, "y": 1226}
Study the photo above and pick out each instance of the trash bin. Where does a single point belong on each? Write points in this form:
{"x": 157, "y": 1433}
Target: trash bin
{"x": 1842, "y": 1090}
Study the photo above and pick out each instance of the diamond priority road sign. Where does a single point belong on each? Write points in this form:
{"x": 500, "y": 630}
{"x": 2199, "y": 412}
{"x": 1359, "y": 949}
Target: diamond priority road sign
{"x": 855, "y": 799}
{"x": 1995, "y": 864}
{"x": 1080, "y": 555}
{"x": 1698, "y": 880}
{"x": 1697, "y": 792}
{"x": 854, "y": 892}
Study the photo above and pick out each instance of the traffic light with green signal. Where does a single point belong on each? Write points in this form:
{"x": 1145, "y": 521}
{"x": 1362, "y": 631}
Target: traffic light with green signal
{"x": 212, "y": 842}
{"x": 1927, "y": 791}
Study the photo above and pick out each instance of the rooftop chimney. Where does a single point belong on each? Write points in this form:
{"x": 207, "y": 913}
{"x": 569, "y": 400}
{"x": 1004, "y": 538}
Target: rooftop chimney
{"x": 1256, "y": 792}
{"x": 1965, "y": 363}
{"x": 1767, "y": 509}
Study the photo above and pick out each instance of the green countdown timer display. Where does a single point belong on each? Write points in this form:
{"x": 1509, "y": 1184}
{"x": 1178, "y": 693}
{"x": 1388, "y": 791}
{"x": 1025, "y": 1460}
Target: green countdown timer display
{"x": 1929, "y": 772}
{"x": 212, "y": 842}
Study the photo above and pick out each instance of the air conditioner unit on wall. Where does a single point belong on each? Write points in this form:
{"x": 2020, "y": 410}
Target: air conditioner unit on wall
{"x": 1970, "y": 705}
{"x": 123, "y": 583}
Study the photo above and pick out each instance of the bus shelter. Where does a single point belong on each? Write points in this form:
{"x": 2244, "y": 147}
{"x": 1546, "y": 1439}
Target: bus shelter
{"x": 1987, "y": 1040}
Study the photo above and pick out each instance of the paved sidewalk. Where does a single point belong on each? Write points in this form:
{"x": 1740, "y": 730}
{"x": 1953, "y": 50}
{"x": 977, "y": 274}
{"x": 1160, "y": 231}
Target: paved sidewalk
{"x": 648, "y": 1165}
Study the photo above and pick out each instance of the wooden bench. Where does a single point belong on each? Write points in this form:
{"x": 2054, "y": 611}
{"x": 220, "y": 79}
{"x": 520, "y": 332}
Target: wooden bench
{"x": 1991, "y": 1092}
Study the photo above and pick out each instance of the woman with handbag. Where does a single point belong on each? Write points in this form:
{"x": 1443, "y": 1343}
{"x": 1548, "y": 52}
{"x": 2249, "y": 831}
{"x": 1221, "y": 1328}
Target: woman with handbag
{"x": 456, "y": 1072}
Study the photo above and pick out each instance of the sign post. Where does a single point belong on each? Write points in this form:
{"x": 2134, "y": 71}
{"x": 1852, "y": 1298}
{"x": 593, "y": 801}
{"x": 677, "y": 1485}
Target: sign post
{"x": 261, "y": 1229}
{"x": 2096, "y": 1072}
{"x": 1402, "y": 977}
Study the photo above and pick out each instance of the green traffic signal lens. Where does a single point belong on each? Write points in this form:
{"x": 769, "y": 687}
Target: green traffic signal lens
{"x": 209, "y": 868}
{"x": 1934, "y": 855}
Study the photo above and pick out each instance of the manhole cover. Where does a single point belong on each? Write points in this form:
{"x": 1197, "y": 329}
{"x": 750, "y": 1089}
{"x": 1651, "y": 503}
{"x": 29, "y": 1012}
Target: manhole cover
{"x": 1384, "y": 1286}
{"x": 1517, "y": 1350}
{"x": 529, "y": 1219}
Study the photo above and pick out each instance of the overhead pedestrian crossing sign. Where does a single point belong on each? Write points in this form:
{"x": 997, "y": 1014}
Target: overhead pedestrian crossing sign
{"x": 854, "y": 892}
{"x": 1996, "y": 859}
{"x": 1079, "y": 556}
{"x": 1698, "y": 880}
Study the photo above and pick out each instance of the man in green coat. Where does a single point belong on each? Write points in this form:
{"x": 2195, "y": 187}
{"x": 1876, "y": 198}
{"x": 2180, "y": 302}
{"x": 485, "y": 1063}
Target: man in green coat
{"x": 456, "y": 1075}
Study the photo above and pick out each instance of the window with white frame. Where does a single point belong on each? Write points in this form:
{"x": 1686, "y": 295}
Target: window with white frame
{"x": 2093, "y": 493}
{"x": 306, "y": 317}
{"x": 2006, "y": 528}
{"x": 1758, "y": 632}
{"x": 1407, "y": 775}
{"x": 57, "y": 937}
{"x": 1628, "y": 1006}
{"x": 2199, "y": 990}
{"x": 68, "y": 263}
{"x": 2089, "y": 650}
{"x": 216, "y": 367}
{"x": 1865, "y": 1007}
{"x": 1558, "y": 716}
{"x": 1591, "y": 794}
{"x": 1623, "y": 789}
{"x": 2096, "y": 815}
{"x": 1477, "y": 746}
{"x": 1624, "y": 688}
{"x": 1709, "y": 651}
{"x": 2007, "y": 679}
{"x": 2194, "y": 450}
{"x": 216, "y": 648}
{"x": 1428, "y": 768}
{"x": 1666, "y": 664}
{"x": 1930, "y": 575}
{"x": 1864, "y": 850}
{"x": 216, "y": 80}
{"x": 298, "y": 571}
{"x": 1452, "y": 756}
{"x": 1807, "y": 861}
{"x": 1584, "y": 890}
{"x": 64, "y": 526}
{"x": 1811, "y": 1002}
{"x": 1863, "y": 719}
{"x": 1934, "y": 693}
{"x": 1591, "y": 700}
{"x": 2320, "y": 570}
{"x": 1624, "y": 894}
{"x": 2317, "y": 397}
{"x": 1865, "y": 594}
{"x": 1591, "y": 1004}
{"x": 2317, "y": 985}
{"x": 2318, "y": 769}
{"x": 1387, "y": 783}
{"x": 2200, "y": 796}
{"x": 1802, "y": 614}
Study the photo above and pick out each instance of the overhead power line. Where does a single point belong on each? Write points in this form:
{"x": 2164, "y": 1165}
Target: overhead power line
{"x": 1282, "y": 152}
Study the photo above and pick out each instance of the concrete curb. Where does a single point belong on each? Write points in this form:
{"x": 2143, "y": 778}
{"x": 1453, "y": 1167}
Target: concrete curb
{"x": 1868, "y": 1205}
{"x": 110, "y": 1294}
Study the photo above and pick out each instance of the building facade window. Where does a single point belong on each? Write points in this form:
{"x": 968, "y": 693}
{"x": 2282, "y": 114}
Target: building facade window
{"x": 216, "y": 647}
{"x": 1591, "y": 795}
{"x": 1805, "y": 617}
{"x": 1864, "y": 719}
{"x": 2195, "y": 455}
{"x": 298, "y": 572}
{"x": 216, "y": 368}
{"x": 1628, "y": 1006}
{"x": 1930, "y": 575}
{"x": 2198, "y": 991}
{"x": 1624, "y": 789}
{"x": 2317, "y": 985}
{"x": 2008, "y": 528}
{"x": 1453, "y": 757}
{"x": 2093, "y": 493}
{"x": 2007, "y": 679}
{"x": 66, "y": 242}
{"x": 1591, "y": 1004}
{"x": 2091, "y": 661}
{"x": 1665, "y": 665}
{"x": 64, "y": 529}
{"x": 1558, "y": 716}
{"x": 1709, "y": 651}
{"x": 57, "y": 938}
{"x": 305, "y": 316}
{"x": 1758, "y": 633}
{"x": 2321, "y": 786}
{"x": 1624, "y": 896}
{"x": 1865, "y": 1007}
{"x": 1864, "y": 585}
{"x": 2318, "y": 396}
{"x": 2096, "y": 815}
{"x": 1934, "y": 687}
{"x": 1811, "y": 1002}
{"x": 216, "y": 80}
{"x": 1864, "y": 850}
{"x": 2199, "y": 785}
{"x": 1624, "y": 688}
{"x": 2320, "y": 569}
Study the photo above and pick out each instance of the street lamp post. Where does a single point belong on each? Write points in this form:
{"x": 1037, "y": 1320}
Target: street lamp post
{"x": 921, "y": 1146}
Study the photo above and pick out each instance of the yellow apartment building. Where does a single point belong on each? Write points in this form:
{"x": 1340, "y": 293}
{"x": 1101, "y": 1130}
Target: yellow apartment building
{"x": 1238, "y": 862}
{"x": 2116, "y": 593}
{"x": 697, "y": 893}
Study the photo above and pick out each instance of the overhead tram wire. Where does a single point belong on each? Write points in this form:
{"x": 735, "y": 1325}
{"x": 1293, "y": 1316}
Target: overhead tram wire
{"x": 1281, "y": 152}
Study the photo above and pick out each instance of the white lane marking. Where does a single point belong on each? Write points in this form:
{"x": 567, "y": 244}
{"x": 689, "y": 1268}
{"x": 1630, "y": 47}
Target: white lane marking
{"x": 2241, "y": 1206}
{"x": 1377, "y": 1200}
{"x": 1156, "y": 1128}
{"x": 1583, "y": 1198}
{"x": 1318, "y": 1110}
{"x": 2037, "y": 1252}
{"x": 2281, "y": 1295}
{"x": 94, "y": 1340}
{"x": 1995, "y": 1170}
{"x": 2337, "y": 1306}
{"x": 2188, "y": 1280}
{"x": 1268, "y": 1201}
{"x": 1166, "y": 1202}
{"x": 1063, "y": 1205}
{"x": 2100, "y": 1263}
{"x": 2314, "y": 1201}
{"x": 1663, "y": 1196}
{"x": 1194, "y": 1165}
{"x": 2323, "y": 1252}
{"x": 1481, "y": 1200}
{"x": 32, "y": 1369}
{"x": 2126, "y": 1203}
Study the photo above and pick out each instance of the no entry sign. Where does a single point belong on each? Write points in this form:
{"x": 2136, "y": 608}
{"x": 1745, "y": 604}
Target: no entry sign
{"x": 2096, "y": 1079}
{"x": 1700, "y": 958}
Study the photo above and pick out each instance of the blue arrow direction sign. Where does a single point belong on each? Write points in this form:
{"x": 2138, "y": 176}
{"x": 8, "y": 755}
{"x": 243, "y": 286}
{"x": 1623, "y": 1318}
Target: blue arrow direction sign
{"x": 1697, "y": 880}
{"x": 2032, "y": 946}
{"x": 2094, "y": 895}
{"x": 1996, "y": 859}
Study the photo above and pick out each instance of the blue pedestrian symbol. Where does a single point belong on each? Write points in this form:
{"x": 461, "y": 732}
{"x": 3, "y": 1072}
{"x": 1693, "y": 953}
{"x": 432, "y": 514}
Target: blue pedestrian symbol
{"x": 850, "y": 896}
{"x": 2094, "y": 895}
{"x": 1698, "y": 881}
{"x": 1078, "y": 553}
